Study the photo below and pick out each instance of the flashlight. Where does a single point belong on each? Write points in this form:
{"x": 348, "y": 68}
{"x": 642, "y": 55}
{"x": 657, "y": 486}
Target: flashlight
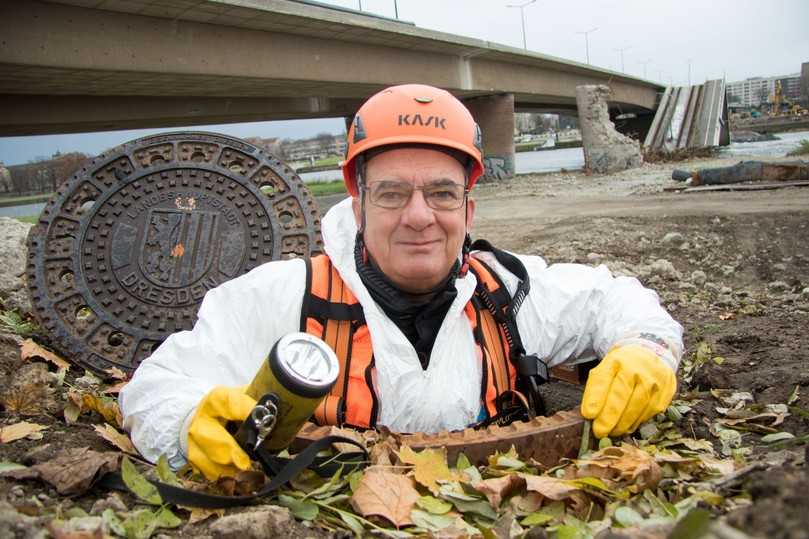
{"x": 297, "y": 375}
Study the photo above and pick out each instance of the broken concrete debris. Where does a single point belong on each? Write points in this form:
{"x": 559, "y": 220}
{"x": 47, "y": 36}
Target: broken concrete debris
{"x": 745, "y": 171}
{"x": 605, "y": 149}
{"x": 690, "y": 117}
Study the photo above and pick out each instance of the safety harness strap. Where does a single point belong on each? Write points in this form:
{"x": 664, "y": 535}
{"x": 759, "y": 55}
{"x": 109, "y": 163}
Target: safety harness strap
{"x": 531, "y": 370}
{"x": 282, "y": 475}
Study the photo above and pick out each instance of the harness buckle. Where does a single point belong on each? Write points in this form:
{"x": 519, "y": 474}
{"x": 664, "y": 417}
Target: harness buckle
{"x": 532, "y": 366}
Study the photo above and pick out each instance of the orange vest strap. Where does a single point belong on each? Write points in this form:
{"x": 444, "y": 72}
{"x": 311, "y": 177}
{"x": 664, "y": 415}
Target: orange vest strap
{"x": 500, "y": 372}
{"x": 332, "y": 312}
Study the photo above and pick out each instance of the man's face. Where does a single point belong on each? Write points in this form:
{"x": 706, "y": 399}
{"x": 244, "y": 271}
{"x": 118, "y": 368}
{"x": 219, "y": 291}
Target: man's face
{"x": 415, "y": 246}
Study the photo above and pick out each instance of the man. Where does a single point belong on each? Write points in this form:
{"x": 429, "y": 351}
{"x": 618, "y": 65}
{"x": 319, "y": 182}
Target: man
{"x": 425, "y": 348}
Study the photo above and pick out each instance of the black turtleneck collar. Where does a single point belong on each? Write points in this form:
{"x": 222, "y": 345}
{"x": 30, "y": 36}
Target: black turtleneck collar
{"x": 418, "y": 316}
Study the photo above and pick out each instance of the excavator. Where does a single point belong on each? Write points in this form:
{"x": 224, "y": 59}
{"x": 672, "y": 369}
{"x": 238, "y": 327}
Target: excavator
{"x": 778, "y": 99}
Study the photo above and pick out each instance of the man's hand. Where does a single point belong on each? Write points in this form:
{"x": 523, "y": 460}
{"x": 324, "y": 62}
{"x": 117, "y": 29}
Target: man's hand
{"x": 211, "y": 449}
{"x": 630, "y": 385}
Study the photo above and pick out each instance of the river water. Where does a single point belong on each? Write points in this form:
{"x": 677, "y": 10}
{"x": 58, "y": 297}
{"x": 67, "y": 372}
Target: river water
{"x": 772, "y": 148}
{"x": 544, "y": 161}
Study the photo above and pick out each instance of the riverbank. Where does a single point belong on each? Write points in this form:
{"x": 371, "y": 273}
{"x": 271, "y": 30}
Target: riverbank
{"x": 548, "y": 162}
{"x": 540, "y": 147}
{"x": 8, "y": 202}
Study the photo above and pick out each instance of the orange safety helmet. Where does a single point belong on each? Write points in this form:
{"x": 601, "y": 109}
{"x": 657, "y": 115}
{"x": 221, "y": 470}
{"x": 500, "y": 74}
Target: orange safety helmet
{"x": 412, "y": 114}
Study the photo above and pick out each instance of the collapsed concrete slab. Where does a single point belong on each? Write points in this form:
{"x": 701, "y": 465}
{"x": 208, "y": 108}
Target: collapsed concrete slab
{"x": 605, "y": 149}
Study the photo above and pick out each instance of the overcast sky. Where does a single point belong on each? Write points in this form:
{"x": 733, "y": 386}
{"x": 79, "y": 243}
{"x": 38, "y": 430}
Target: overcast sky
{"x": 731, "y": 38}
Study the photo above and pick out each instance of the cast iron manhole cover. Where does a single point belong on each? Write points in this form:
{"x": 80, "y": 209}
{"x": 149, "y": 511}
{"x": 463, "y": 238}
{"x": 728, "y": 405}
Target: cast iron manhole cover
{"x": 125, "y": 250}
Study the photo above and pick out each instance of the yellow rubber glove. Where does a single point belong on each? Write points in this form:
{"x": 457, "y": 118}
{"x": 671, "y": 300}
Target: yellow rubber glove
{"x": 630, "y": 385}
{"x": 211, "y": 448}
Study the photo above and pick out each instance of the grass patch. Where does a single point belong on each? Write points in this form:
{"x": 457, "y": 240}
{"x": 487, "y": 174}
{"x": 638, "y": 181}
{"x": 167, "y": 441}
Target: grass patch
{"x": 802, "y": 149}
{"x": 320, "y": 189}
{"x": 20, "y": 201}
{"x": 13, "y": 322}
{"x": 32, "y": 219}
{"x": 332, "y": 160}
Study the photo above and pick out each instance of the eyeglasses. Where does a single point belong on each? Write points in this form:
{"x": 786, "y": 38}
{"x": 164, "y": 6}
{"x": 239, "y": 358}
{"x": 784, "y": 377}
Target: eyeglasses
{"x": 394, "y": 195}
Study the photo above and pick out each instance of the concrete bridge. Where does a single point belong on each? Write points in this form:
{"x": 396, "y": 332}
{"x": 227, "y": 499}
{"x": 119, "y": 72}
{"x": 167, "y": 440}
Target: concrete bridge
{"x": 90, "y": 65}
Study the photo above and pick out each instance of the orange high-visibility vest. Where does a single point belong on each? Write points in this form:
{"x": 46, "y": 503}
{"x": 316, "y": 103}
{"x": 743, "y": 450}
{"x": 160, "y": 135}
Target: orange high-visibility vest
{"x": 331, "y": 312}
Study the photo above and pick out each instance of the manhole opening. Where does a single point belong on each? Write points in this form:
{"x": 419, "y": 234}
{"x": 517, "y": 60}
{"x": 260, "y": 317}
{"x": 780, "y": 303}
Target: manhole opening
{"x": 67, "y": 278}
{"x": 267, "y": 188}
{"x": 115, "y": 339}
{"x": 86, "y": 206}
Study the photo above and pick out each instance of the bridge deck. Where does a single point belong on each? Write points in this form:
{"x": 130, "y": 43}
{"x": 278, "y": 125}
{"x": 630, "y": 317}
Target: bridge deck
{"x": 175, "y": 62}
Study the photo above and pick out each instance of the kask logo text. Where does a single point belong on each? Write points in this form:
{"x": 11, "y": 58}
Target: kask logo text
{"x": 417, "y": 119}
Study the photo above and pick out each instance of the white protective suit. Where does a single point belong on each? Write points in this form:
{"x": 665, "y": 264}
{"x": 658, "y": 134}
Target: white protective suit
{"x": 573, "y": 313}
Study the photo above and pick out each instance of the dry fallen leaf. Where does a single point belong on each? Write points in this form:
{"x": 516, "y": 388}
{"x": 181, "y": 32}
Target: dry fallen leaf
{"x": 246, "y": 482}
{"x": 770, "y": 419}
{"x": 20, "y": 430}
{"x": 73, "y": 472}
{"x": 498, "y": 488}
{"x": 119, "y": 440}
{"x": 198, "y": 514}
{"x": 550, "y": 487}
{"x": 71, "y": 412}
{"x": 29, "y": 349}
{"x": 77, "y": 528}
{"x": 115, "y": 388}
{"x": 30, "y": 390}
{"x": 387, "y": 494}
{"x": 719, "y": 466}
{"x": 526, "y": 504}
{"x": 625, "y": 464}
{"x": 383, "y": 452}
{"x": 27, "y": 399}
{"x": 351, "y": 434}
{"x": 429, "y": 466}
{"x": 106, "y": 407}
{"x": 116, "y": 373}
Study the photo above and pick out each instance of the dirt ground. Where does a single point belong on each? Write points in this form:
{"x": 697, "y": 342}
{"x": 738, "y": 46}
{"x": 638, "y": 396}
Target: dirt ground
{"x": 751, "y": 305}
{"x": 732, "y": 267}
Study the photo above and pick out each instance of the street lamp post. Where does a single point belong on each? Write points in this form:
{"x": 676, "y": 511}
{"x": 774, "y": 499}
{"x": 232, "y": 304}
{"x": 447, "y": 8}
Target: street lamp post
{"x": 522, "y": 18}
{"x": 689, "y": 70}
{"x": 621, "y": 52}
{"x": 645, "y": 65}
{"x": 396, "y": 9}
{"x": 587, "y": 41}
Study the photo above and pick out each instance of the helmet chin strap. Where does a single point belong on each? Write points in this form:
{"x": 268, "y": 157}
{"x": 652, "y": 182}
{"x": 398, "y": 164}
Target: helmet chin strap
{"x": 360, "y": 240}
{"x": 467, "y": 241}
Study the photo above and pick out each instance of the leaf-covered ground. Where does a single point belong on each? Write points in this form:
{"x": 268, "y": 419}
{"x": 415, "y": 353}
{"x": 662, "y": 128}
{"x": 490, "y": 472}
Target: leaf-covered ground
{"x": 726, "y": 460}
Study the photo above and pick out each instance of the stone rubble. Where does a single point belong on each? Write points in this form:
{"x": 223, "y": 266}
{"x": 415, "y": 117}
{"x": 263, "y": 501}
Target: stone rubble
{"x": 605, "y": 149}
{"x": 13, "y": 257}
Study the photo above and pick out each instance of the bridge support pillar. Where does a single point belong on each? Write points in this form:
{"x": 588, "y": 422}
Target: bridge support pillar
{"x": 495, "y": 116}
{"x": 605, "y": 149}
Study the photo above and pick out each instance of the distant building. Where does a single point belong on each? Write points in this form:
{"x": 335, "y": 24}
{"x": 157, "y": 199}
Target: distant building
{"x": 271, "y": 145}
{"x": 323, "y": 145}
{"x": 754, "y": 91}
{"x": 805, "y": 83}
